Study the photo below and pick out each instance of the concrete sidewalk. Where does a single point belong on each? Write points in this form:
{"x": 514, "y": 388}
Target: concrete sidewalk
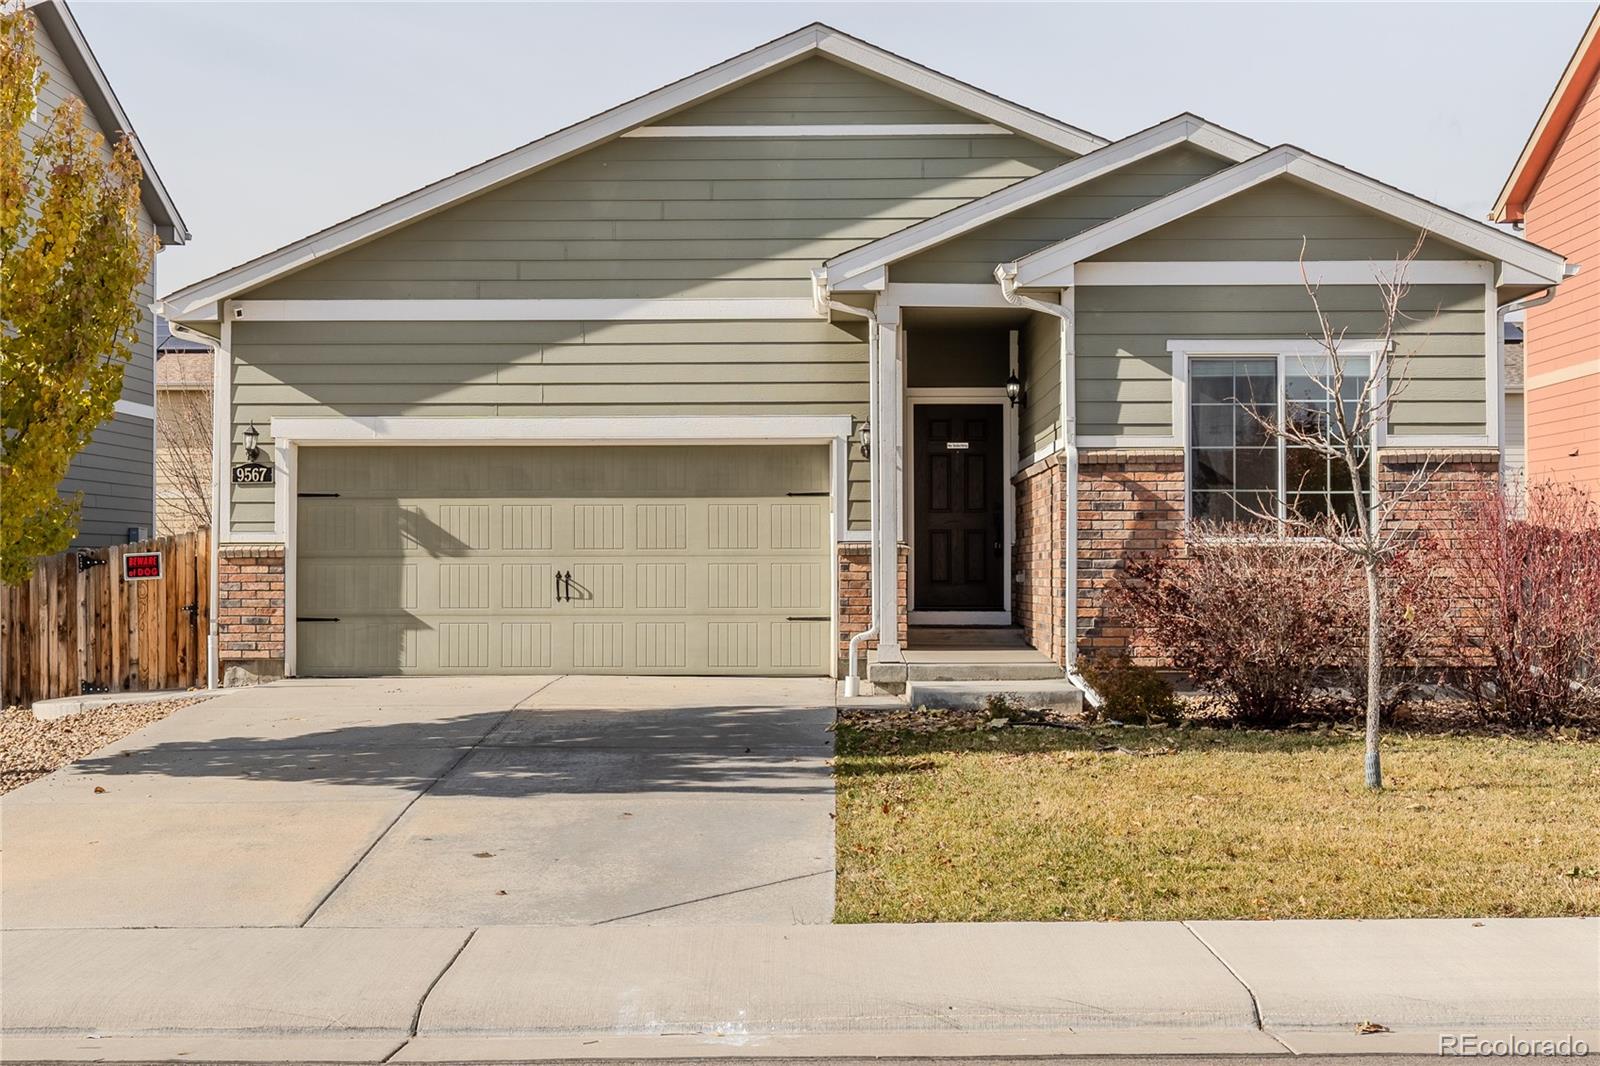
{"x": 512, "y": 993}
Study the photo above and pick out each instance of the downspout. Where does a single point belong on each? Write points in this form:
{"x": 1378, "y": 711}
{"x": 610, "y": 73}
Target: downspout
{"x": 852, "y": 677}
{"x": 181, "y": 330}
{"x": 1006, "y": 275}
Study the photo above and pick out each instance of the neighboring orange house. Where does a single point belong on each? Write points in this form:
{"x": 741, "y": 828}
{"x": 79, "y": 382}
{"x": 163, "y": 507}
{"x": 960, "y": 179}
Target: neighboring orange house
{"x": 1554, "y": 194}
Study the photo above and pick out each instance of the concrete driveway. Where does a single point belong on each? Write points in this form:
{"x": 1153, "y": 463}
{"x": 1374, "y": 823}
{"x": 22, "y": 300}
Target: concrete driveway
{"x": 441, "y": 802}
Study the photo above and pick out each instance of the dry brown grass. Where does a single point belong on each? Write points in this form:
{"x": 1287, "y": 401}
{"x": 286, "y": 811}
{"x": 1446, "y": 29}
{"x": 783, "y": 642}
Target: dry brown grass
{"x": 1040, "y": 824}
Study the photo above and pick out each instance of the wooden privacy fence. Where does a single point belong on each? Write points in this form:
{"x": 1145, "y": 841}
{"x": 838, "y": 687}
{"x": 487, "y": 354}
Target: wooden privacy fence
{"x": 78, "y": 627}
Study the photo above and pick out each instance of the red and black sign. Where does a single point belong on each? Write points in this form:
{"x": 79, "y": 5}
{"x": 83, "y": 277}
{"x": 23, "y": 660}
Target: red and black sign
{"x": 142, "y": 566}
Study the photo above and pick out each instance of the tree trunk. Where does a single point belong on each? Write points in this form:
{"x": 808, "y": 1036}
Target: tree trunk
{"x": 1374, "y": 674}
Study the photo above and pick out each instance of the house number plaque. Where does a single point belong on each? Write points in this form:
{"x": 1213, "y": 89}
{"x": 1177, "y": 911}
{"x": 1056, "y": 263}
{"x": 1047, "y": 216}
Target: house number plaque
{"x": 252, "y": 474}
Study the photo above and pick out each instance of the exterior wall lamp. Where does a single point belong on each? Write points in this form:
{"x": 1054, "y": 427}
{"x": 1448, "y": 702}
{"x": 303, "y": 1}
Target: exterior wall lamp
{"x": 252, "y": 437}
{"x": 864, "y": 435}
{"x": 1014, "y": 389}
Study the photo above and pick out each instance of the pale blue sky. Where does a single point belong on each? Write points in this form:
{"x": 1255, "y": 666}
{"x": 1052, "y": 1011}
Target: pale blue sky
{"x": 270, "y": 121}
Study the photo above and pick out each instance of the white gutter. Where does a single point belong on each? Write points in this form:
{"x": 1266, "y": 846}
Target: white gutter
{"x": 852, "y": 677}
{"x": 1006, "y": 275}
{"x": 217, "y": 460}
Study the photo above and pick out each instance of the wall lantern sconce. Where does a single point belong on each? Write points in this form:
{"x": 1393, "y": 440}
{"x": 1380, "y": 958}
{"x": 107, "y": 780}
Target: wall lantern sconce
{"x": 1014, "y": 389}
{"x": 252, "y": 437}
{"x": 864, "y": 434}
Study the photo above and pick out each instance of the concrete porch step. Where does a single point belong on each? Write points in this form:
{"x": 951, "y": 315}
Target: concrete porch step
{"x": 1043, "y": 670}
{"x": 1058, "y": 695}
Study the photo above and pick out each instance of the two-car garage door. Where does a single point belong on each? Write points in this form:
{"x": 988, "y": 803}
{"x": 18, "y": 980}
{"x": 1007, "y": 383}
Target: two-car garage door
{"x": 606, "y": 559}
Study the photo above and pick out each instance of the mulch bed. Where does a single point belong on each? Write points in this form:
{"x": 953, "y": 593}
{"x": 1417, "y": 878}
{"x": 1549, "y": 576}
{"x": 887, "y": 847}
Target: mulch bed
{"x": 30, "y": 748}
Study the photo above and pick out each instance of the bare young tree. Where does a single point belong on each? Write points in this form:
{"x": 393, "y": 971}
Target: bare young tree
{"x": 1338, "y": 421}
{"x": 183, "y": 454}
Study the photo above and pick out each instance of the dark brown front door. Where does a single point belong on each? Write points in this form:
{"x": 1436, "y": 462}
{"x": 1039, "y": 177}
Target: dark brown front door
{"x": 960, "y": 536}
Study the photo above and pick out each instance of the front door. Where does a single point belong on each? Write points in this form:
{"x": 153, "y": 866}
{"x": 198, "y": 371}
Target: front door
{"x": 960, "y": 540}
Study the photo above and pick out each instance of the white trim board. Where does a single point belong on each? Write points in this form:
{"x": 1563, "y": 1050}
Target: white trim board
{"x": 839, "y": 129}
{"x": 131, "y": 409}
{"x": 1276, "y": 272}
{"x": 578, "y": 310}
{"x": 1047, "y": 267}
{"x": 815, "y": 39}
{"x": 663, "y": 429}
{"x": 853, "y": 271}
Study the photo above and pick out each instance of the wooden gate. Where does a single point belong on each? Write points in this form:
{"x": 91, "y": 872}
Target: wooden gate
{"x": 78, "y": 627}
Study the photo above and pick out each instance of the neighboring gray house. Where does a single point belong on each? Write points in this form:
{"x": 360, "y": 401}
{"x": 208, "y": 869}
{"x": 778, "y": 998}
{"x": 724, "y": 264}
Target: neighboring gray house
{"x": 116, "y": 471}
{"x": 812, "y": 341}
{"x": 1516, "y": 432}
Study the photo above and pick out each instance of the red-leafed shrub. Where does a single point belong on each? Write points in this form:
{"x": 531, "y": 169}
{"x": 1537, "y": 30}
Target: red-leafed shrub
{"x": 1273, "y": 626}
{"x": 1527, "y": 567}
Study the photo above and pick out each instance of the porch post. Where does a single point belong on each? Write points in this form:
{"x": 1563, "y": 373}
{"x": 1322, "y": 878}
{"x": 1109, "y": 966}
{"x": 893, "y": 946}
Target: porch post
{"x": 888, "y": 451}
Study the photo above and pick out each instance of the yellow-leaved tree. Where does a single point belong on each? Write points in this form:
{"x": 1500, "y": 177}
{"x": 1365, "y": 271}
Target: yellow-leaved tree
{"x": 71, "y": 260}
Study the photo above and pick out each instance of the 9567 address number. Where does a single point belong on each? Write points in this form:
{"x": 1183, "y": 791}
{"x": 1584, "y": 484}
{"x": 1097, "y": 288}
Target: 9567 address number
{"x": 252, "y": 474}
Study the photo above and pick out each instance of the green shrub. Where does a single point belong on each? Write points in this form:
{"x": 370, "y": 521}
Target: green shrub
{"x": 1132, "y": 693}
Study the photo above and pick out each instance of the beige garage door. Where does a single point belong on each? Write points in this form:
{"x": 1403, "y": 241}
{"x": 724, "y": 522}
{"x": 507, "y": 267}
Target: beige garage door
{"x": 652, "y": 560}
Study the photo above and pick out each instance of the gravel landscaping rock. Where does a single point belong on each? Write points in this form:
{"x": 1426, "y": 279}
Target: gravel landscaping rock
{"x": 30, "y": 748}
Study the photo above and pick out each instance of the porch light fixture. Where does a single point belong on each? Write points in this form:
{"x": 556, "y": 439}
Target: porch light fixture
{"x": 864, "y": 434}
{"x": 251, "y": 437}
{"x": 1014, "y": 389}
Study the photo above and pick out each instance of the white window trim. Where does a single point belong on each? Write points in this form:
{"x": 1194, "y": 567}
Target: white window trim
{"x": 1185, "y": 351}
{"x": 291, "y": 434}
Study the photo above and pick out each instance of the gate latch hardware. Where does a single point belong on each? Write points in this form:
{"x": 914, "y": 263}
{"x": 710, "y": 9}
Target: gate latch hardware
{"x": 87, "y": 560}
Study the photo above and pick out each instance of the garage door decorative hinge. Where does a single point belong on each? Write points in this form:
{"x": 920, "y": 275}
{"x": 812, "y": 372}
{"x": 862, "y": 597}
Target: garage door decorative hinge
{"x": 318, "y": 495}
{"x": 313, "y": 618}
{"x": 808, "y": 618}
{"x": 824, "y": 492}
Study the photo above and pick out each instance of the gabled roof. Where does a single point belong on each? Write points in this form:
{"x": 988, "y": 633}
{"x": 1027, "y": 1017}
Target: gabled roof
{"x": 194, "y": 301}
{"x": 1523, "y": 261}
{"x": 1559, "y": 111}
{"x": 57, "y": 21}
{"x": 862, "y": 268}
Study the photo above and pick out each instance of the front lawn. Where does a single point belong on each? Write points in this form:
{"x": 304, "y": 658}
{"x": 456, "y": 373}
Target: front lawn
{"x": 1041, "y": 824}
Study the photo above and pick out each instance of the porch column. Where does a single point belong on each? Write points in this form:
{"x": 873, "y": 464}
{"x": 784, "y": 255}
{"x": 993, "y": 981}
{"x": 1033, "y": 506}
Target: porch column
{"x": 888, "y": 452}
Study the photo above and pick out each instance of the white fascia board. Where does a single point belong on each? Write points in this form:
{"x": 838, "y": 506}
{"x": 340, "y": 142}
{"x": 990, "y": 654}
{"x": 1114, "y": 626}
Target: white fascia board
{"x": 575, "y": 310}
{"x": 1278, "y": 272}
{"x": 665, "y": 429}
{"x": 845, "y": 272}
{"x": 1048, "y": 267}
{"x": 877, "y": 62}
{"x": 841, "y": 129}
{"x": 518, "y": 163}
{"x": 1292, "y": 346}
{"x": 943, "y": 294}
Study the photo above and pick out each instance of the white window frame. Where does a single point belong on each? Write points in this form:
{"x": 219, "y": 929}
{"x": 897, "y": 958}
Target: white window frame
{"x": 1184, "y": 352}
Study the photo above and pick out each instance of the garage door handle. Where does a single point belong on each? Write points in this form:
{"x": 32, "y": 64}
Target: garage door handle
{"x": 568, "y": 596}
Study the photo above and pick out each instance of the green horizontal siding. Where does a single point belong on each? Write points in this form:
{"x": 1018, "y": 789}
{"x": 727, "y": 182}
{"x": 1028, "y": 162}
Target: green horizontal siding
{"x": 1039, "y": 356}
{"x": 815, "y": 90}
{"x": 1269, "y": 222}
{"x": 972, "y": 257}
{"x": 658, "y": 219}
{"x": 525, "y": 369}
{"x": 1124, "y": 368}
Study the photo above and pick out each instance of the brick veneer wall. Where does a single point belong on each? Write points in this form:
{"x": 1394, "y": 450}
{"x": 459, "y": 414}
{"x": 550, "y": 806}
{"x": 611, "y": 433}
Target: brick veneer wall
{"x": 1131, "y": 501}
{"x": 250, "y": 618}
{"x": 1039, "y": 556}
{"x": 855, "y": 596}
